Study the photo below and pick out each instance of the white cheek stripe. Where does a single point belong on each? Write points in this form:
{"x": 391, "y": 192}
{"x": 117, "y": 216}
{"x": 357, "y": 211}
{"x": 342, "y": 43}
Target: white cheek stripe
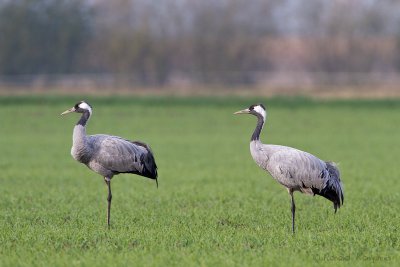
{"x": 260, "y": 110}
{"x": 85, "y": 106}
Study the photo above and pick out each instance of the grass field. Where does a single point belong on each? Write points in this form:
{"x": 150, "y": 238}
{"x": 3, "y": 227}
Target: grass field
{"x": 214, "y": 206}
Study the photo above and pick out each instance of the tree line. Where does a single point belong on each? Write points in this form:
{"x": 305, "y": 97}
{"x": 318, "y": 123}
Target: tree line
{"x": 227, "y": 41}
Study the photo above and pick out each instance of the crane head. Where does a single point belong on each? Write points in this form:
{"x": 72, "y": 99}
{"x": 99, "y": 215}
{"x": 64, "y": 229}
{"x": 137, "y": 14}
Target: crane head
{"x": 256, "y": 110}
{"x": 79, "y": 107}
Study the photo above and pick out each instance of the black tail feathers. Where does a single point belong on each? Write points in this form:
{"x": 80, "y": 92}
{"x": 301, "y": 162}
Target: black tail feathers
{"x": 333, "y": 189}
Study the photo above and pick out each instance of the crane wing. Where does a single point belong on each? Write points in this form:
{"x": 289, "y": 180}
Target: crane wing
{"x": 297, "y": 169}
{"x": 123, "y": 156}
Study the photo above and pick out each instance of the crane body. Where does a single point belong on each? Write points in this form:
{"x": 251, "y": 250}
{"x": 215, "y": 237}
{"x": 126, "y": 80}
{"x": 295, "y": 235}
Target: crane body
{"x": 109, "y": 155}
{"x": 295, "y": 169}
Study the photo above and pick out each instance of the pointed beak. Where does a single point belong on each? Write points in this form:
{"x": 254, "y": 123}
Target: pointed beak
{"x": 244, "y": 111}
{"x": 68, "y": 111}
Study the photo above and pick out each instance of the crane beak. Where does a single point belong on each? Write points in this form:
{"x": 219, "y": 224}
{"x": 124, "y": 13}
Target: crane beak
{"x": 68, "y": 111}
{"x": 244, "y": 111}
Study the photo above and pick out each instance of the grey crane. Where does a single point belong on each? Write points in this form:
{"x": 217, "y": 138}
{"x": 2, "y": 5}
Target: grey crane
{"x": 109, "y": 155}
{"x": 295, "y": 169}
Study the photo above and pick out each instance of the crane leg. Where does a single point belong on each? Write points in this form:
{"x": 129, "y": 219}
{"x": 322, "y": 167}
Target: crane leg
{"x": 293, "y": 208}
{"x": 108, "y": 182}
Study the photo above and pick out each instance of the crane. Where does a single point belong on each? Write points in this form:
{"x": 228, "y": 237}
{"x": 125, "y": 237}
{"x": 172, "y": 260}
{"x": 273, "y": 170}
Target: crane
{"x": 294, "y": 169}
{"x": 109, "y": 155}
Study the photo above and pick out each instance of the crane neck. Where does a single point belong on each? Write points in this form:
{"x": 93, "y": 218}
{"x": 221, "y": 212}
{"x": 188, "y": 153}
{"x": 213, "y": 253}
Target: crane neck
{"x": 80, "y": 149}
{"x": 259, "y": 127}
{"x": 84, "y": 118}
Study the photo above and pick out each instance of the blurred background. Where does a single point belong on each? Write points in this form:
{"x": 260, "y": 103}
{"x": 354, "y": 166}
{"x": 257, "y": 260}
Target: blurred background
{"x": 268, "y": 47}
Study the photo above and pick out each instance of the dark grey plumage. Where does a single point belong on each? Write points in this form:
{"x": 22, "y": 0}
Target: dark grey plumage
{"x": 109, "y": 155}
{"x": 295, "y": 169}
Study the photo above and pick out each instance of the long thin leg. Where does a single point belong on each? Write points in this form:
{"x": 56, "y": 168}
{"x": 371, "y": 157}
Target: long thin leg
{"x": 108, "y": 182}
{"x": 293, "y": 208}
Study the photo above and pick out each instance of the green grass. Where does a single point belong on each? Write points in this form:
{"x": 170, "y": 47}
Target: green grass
{"x": 214, "y": 206}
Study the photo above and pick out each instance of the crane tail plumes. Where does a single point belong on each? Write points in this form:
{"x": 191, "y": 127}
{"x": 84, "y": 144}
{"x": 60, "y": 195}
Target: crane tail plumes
{"x": 149, "y": 164}
{"x": 333, "y": 189}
